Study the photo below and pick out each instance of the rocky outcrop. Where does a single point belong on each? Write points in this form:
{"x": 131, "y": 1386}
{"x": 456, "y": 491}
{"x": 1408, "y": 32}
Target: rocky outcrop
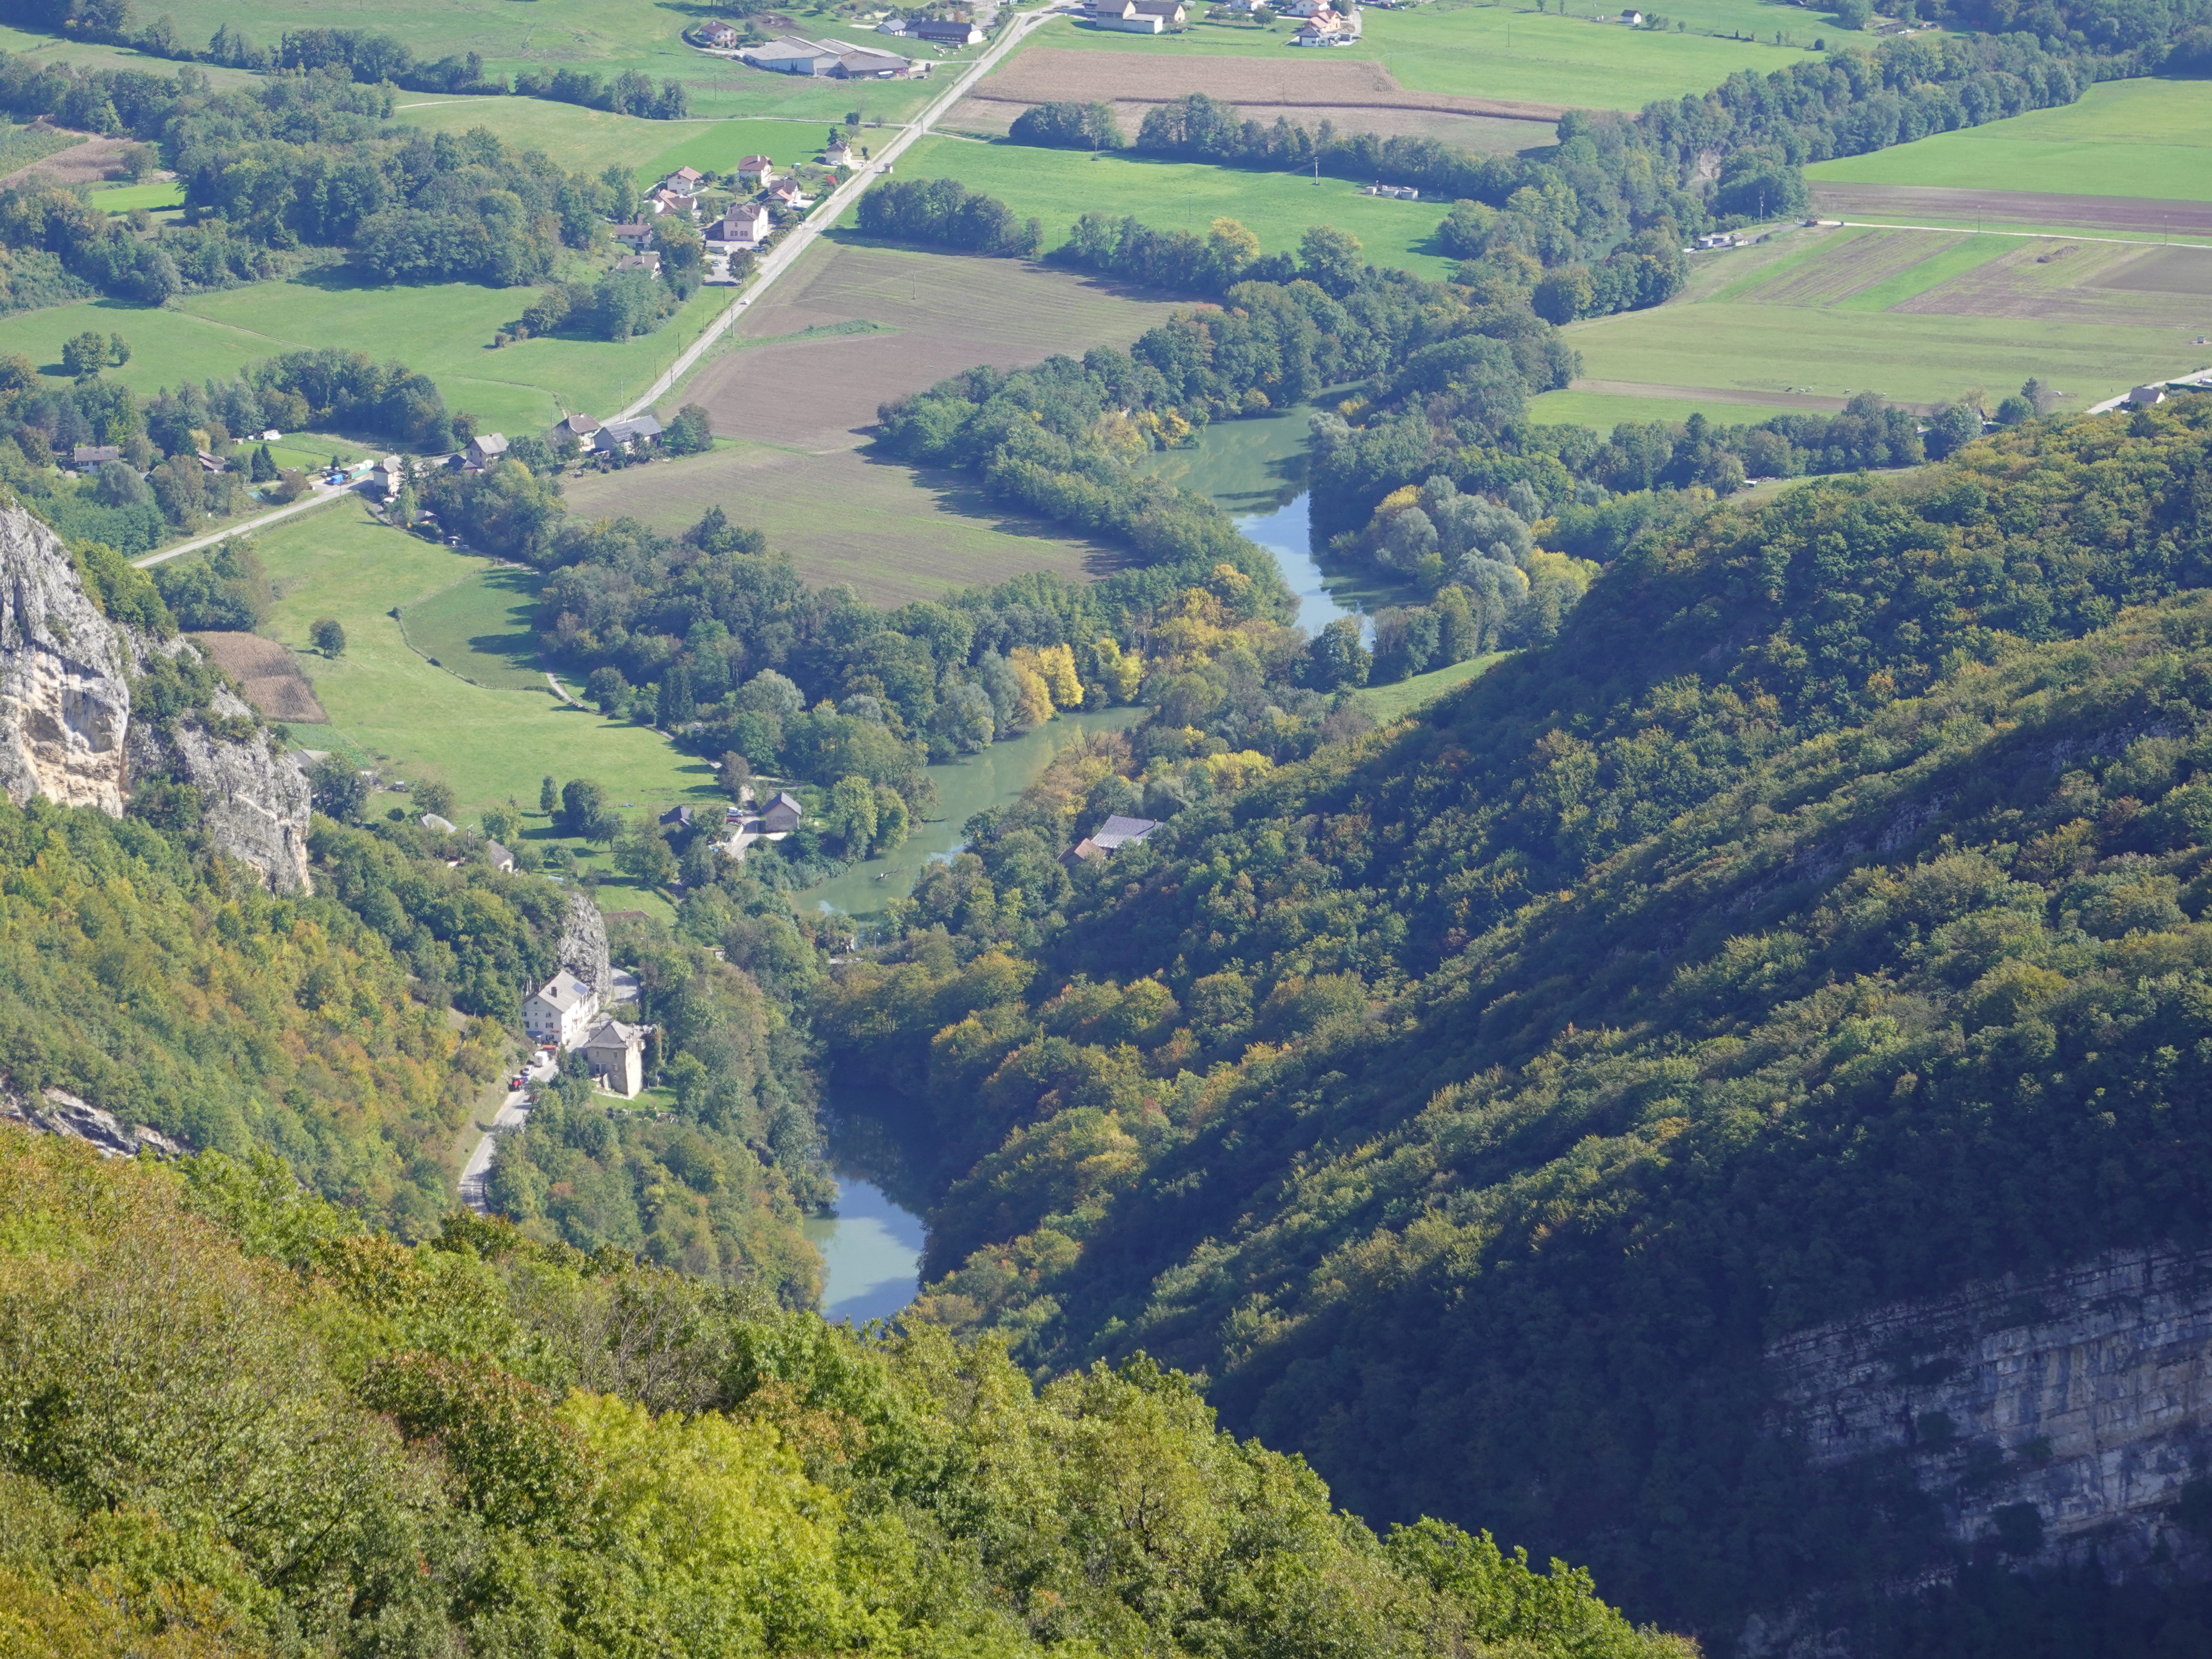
{"x": 255, "y": 799}
{"x": 583, "y": 946}
{"x": 64, "y": 689}
{"x": 2053, "y": 1418}
{"x": 57, "y": 1112}
{"x": 66, "y": 726}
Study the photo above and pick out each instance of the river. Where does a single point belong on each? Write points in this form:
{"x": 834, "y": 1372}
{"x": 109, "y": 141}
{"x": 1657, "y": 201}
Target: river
{"x": 871, "y": 1244}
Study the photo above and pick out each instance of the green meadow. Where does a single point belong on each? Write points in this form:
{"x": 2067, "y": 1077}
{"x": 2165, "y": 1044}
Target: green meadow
{"x": 598, "y": 37}
{"x": 2135, "y": 138}
{"x": 123, "y": 198}
{"x": 388, "y": 704}
{"x": 1385, "y": 703}
{"x": 1501, "y": 52}
{"x": 1604, "y": 410}
{"x": 1058, "y": 186}
{"x": 589, "y": 140}
{"x": 83, "y": 55}
{"x": 443, "y": 330}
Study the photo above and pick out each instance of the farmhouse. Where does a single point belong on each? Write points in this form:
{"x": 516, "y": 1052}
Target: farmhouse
{"x": 837, "y": 152}
{"x": 94, "y": 454}
{"x": 783, "y": 814}
{"x": 618, "y": 437}
{"x": 389, "y": 475}
{"x": 498, "y": 857}
{"x": 945, "y": 32}
{"x": 1116, "y": 832}
{"x": 561, "y": 1011}
{"x": 1128, "y": 22}
{"x": 484, "y": 449}
{"x": 895, "y": 25}
{"x": 615, "y": 1054}
{"x": 636, "y": 235}
{"x": 1633, "y": 18}
{"x": 647, "y": 262}
{"x": 432, "y": 820}
{"x": 788, "y": 194}
{"x": 1395, "y": 192}
{"x": 720, "y": 35}
{"x": 745, "y": 226}
{"x": 578, "y": 426}
{"x": 2144, "y": 396}
{"x": 685, "y": 180}
{"x": 669, "y": 201}
{"x": 1170, "y": 12}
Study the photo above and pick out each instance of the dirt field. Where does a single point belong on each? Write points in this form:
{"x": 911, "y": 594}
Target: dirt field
{"x": 1348, "y": 93}
{"x": 941, "y": 313}
{"x": 992, "y": 118}
{"x": 2120, "y": 213}
{"x": 2061, "y": 282}
{"x": 266, "y": 671}
{"x": 893, "y": 533}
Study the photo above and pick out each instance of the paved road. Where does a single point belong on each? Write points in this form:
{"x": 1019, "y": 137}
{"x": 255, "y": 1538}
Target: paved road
{"x": 319, "y": 494}
{"x": 512, "y": 1114}
{"x": 801, "y": 236}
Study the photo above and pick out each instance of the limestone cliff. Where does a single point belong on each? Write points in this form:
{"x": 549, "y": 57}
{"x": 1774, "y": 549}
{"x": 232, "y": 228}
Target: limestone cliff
{"x": 66, "y": 725}
{"x": 2053, "y": 1419}
{"x": 583, "y": 946}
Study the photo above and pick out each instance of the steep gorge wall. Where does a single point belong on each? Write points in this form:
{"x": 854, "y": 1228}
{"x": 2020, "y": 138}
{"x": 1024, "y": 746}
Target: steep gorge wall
{"x": 2055, "y": 1418}
{"x": 66, "y": 731}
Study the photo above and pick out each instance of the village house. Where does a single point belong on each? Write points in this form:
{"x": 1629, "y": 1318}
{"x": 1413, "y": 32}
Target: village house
{"x": 669, "y": 201}
{"x": 617, "y": 437}
{"x": 837, "y": 152}
{"x": 636, "y": 235}
{"x": 1170, "y": 12}
{"x": 94, "y": 454}
{"x": 389, "y": 475}
{"x": 720, "y": 35}
{"x": 685, "y": 180}
{"x": 945, "y": 32}
{"x": 788, "y": 194}
{"x": 1118, "y": 831}
{"x": 1395, "y": 192}
{"x": 744, "y": 226}
{"x": 484, "y": 449}
{"x": 1633, "y": 18}
{"x": 2144, "y": 396}
{"x": 615, "y": 1055}
{"x": 894, "y": 24}
{"x": 559, "y": 1013}
{"x": 1126, "y": 19}
{"x": 498, "y": 857}
{"x": 578, "y": 426}
{"x": 759, "y": 168}
{"x": 645, "y": 261}
{"x": 782, "y": 815}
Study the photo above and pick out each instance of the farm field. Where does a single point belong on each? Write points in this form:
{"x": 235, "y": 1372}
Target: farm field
{"x": 388, "y": 704}
{"x": 892, "y": 532}
{"x": 933, "y": 314}
{"x": 1954, "y": 312}
{"x": 1604, "y": 410}
{"x": 1496, "y": 51}
{"x": 590, "y": 140}
{"x": 2147, "y": 138}
{"x": 1058, "y": 186}
{"x": 1385, "y": 703}
{"x": 123, "y": 198}
{"x": 599, "y": 37}
{"x": 85, "y": 55}
{"x": 482, "y": 628}
{"x": 443, "y": 330}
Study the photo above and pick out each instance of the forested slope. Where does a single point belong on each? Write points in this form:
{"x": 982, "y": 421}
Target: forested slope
{"x": 1814, "y": 924}
{"x": 235, "y": 1422}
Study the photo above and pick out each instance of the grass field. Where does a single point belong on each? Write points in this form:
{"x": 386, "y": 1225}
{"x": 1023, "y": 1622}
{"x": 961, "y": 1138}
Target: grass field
{"x": 1500, "y": 52}
{"x": 892, "y": 532}
{"x": 601, "y": 37}
{"x": 388, "y": 705}
{"x": 1918, "y": 316}
{"x": 1058, "y": 186}
{"x": 589, "y": 140}
{"x": 1385, "y": 703}
{"x": 83, "y": 55}
{"x": 2143, "y": 138}
{"x": 482, "y": 628}
{"x": 443, "y": 330}
{"x": 1606, "y": 411}
{"x": 122, "y": 198}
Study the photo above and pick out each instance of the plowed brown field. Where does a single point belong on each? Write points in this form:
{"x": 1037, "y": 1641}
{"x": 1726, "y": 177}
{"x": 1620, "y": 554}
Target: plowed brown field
{"x": 2139, "y": 215}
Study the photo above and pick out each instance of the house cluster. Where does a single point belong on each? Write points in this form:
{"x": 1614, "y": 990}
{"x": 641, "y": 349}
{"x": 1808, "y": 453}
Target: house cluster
{"x": 615, "y": 437}
{"x": 1109, "y": 837}
{"x": 565, "y": 1014}
{"x": 1139, "y": 16}
{"x": 791, "y": 54}
{"x": 936, "y": 31}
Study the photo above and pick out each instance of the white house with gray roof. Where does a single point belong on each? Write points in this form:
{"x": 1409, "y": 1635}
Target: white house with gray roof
{"x": 559, "y": 1013}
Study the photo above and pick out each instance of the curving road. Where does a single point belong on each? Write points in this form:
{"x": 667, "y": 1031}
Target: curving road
{"x": 801, "y": 236}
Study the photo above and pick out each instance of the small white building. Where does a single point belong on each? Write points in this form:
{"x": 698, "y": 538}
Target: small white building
{"x": 615, "y": 1054}
{"x": 560, "y": 1012}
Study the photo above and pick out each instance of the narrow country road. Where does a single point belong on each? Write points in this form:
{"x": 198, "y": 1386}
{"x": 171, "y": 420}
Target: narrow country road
{"x": 801, "y": 236}
{"x": 514, "y": 1112}
{"x": 319, "y": 494}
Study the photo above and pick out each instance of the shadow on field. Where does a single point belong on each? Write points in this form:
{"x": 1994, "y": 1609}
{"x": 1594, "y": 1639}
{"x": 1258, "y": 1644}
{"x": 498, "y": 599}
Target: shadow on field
{"x": 963, "y": 494}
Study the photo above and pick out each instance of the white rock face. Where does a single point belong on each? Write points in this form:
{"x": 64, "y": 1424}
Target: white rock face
{"x": 64, "y": 700}
{"x": 66, "y": 731}
{"x": 2086, "y": 1393}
